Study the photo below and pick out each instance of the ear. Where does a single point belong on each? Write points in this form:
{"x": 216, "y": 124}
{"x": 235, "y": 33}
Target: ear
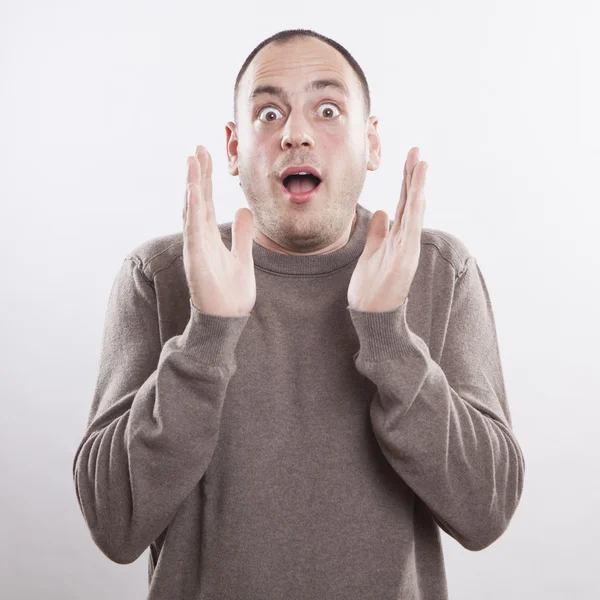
{"x": 231, "y": 145}
{"x": 373, "y": 144}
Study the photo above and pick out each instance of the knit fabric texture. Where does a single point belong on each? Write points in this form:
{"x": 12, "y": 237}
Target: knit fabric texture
{"x": 307, "y": 450}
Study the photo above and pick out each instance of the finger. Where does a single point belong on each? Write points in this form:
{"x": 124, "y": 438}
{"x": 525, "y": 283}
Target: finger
{"x": 377, "y": 232}
{"x": 421, "y": 207}
{"x": 406, "y": 182}
{"x": 413, "y": 161}
{"x": 194, "y": 219}
{"x": 401, "y": 203}
{"x": 412, "y": 221}
{"x": 185, "y": 201}
{"x": 205, "y": 161}
{"x": 242, "y": 235}
{"x": 193, "y": 176}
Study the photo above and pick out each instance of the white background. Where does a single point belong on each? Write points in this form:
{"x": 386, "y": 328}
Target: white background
{"x": 101, "y": 103}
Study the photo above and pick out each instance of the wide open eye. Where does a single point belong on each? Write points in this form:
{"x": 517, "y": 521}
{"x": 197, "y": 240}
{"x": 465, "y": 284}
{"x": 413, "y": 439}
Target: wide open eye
{"x": 329, "y": 104}
{"x": 266, "y": 110}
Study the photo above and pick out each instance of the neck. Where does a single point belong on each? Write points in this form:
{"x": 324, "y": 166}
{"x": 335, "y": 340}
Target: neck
{"x": 269, "y": 244}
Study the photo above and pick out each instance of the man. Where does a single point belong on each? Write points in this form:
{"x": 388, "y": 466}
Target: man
{"x": 293, "y": 404}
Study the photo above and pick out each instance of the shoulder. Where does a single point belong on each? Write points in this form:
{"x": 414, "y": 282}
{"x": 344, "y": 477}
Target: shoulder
{"x": 436, "y": 243}
{"x": 161, "y": 252}
{"x": 441, "y": 248}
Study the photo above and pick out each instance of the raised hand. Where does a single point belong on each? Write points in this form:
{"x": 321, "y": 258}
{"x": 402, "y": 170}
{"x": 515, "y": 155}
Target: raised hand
{"x": 220, "y": 282}
{"x": 384, "y": 272}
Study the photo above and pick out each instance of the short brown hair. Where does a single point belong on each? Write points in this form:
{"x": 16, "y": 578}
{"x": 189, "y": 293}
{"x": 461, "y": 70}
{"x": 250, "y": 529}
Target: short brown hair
{"x": 291, "y": 34}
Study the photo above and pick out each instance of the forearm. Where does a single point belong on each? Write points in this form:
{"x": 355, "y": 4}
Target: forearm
{"x": 447, "y": 432}
{"x": 154, "y": 420}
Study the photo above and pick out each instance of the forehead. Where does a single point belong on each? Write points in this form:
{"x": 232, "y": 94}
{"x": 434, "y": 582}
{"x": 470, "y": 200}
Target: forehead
{"x": 294, "y": 64}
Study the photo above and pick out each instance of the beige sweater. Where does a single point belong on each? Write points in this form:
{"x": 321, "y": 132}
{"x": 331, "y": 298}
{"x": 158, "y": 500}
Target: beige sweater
{"x": 306, "y": 450}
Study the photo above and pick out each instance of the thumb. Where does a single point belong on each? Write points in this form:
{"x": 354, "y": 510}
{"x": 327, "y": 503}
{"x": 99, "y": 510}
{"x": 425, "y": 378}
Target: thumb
{"x": 242, "y": 235}
{"x": 378, "y": 230}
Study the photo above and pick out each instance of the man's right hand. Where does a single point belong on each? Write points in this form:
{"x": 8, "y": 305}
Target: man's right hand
{"x": 221, "y": 282}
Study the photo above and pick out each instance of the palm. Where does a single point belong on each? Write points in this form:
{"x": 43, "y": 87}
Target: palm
{"x": 221, "y": 282}
{"x": 384, "y": 272}
{"x": 221, "y": 279}
{"x": 378, "y": 277}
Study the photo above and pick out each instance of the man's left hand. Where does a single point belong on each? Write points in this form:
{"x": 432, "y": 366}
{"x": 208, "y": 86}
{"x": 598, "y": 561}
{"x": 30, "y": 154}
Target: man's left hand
{"x": 385, "y": 270}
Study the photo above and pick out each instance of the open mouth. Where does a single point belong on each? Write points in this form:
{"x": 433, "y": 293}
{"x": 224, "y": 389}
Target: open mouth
{"x": 300, "y": 187}
{"x": 301, "y": 184}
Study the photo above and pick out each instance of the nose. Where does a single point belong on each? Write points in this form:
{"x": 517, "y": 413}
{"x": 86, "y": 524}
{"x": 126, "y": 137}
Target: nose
{"x": 296, "y": 133}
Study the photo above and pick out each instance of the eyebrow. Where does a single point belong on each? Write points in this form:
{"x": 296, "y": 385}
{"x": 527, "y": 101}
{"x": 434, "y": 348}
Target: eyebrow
{"x": 317, "y": 84}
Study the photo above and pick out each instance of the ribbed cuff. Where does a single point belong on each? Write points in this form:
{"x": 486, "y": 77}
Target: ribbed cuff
{"x": 212, "y": 339}
{"x": 384, "y": 335}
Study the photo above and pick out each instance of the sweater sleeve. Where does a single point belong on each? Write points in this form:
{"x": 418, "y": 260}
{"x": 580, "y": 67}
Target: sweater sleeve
{"x": 154, "y": 419}
{"x": 446, "y": 428}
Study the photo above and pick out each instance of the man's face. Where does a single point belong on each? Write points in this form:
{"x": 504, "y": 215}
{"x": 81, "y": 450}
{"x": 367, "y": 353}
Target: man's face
{"x": 324, "y": 128}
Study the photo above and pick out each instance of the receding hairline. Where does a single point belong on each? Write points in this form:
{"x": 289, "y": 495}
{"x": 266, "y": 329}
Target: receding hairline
{"x": 315, "y": 84}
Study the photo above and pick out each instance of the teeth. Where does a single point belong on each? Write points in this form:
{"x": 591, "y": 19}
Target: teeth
{"x": 299, "y": 173}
